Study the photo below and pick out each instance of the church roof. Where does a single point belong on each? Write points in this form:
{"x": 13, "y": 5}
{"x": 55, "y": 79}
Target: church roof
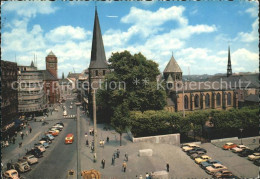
{"x": 98, "y": 56}
{"x": 252, "y": 98}
{"x": 172, "y": 66}
{"x": 51, "y": 54}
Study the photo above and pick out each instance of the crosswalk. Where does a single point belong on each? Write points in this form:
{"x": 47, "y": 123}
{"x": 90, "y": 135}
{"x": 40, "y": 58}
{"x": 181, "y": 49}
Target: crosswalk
{"x": 69, "y": 116}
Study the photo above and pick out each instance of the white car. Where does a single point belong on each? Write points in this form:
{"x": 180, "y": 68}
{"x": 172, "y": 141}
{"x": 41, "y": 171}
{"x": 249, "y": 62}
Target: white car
{"x": 58, "y": 126}
{"x": 65, "y": 113}
{"x": 40, "y": 147}
{"x": 239, "y": 148}
{"x": 31, "y": 159}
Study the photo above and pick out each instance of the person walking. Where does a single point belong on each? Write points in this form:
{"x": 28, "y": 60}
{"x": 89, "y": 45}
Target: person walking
{"x": 20, "y": 144}
{"x": 107, "y": 139}
{"x": 114, "y": 155}
{"x": 13, "y": 140}
{"x": 117, "y": 153}
{"x": 124, "y": 166}
{"x": 30, "y": 129}
{"x": 113, "y": 160}
{"x": 87, "y": 142}
{"x": 15, "y": 133}
{"x": 126, "y": 157}
{"x": 140, "y": 177}
{"x": 168, "y": 167}
{"x": 22, "y": 135}
{"x": 103, "y": 163}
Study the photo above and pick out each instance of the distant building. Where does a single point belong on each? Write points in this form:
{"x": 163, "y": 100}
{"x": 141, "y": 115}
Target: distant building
{"x": 30, "y": 91}
{"x": 9, "y": 97}
{"x": 83, "y": 88}
{"x": 65, "y": 87}
{"x": 73, "y": 78}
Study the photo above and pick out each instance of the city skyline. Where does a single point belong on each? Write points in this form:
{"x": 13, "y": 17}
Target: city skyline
{"x": 172, "y": 27}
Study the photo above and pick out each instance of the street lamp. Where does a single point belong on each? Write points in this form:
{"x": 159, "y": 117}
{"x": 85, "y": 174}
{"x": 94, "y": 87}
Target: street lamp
{"x": 241, "y": 130}
{"x": 183, "y": 99}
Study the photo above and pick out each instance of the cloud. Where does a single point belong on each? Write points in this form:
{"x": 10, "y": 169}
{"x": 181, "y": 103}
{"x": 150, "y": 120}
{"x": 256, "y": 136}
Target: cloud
{"x": 30, "y": 9}
{"x": 66, "y": 33}
{"x": 251, "y": 36}
{"x": 253, "y": 11}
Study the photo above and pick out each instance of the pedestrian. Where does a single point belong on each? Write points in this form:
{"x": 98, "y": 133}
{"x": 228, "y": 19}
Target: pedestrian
{"x": 92, "y": 148}
{"x": 113, "y": 160}
{"x": 140, "y": 177}
{"x": 6, "y": 143}
{"x": 147, "y": 176}
{"x": 15, "y": 133}
{"x": 168, "y": 167}
{"x": 20, "y": 144}
{"x": 126, "y": 157}
{"x": 30, "y": 129}
{"x": 13, "y": 140}
{"x": 124, "y": 166}
{"x": 27, "y": 133}
{"x": 117, "y": 153}
{"x": 22, "y": 135}
{"x": 107, "y": 139}
{"x": 103, "y": 163}
{"x": 87, "y": 142}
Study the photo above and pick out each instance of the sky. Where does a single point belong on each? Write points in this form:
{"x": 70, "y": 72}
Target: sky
{"x": 196, "y": 33}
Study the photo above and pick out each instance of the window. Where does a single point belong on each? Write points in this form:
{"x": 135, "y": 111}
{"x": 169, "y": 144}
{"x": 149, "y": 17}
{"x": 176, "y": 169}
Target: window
{"x": 96, "y": 72}
{"x": 207, "y": 100}
{"x": 196, "y": 101}
{"x": 186, "y": 102}
{"x": 229, "y": 99}
{"x": 218, "y": 99}
{"x": 169, "y": 85}
{"x": 104, "y": 72}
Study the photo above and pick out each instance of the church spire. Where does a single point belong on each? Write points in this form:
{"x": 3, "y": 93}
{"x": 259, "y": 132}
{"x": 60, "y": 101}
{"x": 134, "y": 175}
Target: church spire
{"x": 229, "y": 69}
{"x": 63, "y": 75}
{"x": 98, "y": 56}
{"x": 32, "y": 64}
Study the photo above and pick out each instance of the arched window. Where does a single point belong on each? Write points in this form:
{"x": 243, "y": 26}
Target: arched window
{"x": 186, "y": 102}
{"x": 218, "y": 99}
{"x": 197, "y": 101}
{"x": 229, "y": 99}
{"x": 207, "y": 100}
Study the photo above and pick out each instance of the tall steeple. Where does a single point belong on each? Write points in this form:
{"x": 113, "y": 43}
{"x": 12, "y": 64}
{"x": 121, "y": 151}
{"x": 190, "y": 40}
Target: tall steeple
{"x": 98, "y": 56}
{"x": 63, "y": 75}
{"x": 229, "y": 69}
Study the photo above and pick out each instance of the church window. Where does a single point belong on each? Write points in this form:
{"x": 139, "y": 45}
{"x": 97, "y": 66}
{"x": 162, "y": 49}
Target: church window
{"x": 104, "y": 72}
{"x": 207, "y": 100}
{"x": 186, "y": 102}
{"x": 196, "y": 101}
{"x": 229, "y": 99}
{"x": 218, "y": 99}
{"x": 169, "y": 85}
{"x": 96, "y": 72}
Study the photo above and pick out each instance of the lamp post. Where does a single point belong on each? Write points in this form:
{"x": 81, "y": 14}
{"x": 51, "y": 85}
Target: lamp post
{"x": 183, "y": 99}
{"x": 241, "y": 130}
{"x": 95, "y": 126}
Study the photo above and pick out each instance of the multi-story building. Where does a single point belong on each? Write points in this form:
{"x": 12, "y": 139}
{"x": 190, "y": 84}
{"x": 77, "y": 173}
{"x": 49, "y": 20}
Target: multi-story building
{"x": 65, "y": 88}
{"x": 9, "y": 97}
{"x": 30, "y": 91}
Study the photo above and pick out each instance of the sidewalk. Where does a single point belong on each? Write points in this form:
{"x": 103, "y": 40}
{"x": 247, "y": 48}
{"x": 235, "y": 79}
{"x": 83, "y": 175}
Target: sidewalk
{"x": 13, "y": 152}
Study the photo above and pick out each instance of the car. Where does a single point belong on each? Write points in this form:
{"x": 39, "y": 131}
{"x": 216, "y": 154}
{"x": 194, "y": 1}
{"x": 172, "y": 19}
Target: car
{"x": 40, "y": 146}
{"x": 22, "y": 166}
{"x": 65, "y": 113}
{"x": 245, "y": 153}
{"x": 189, "y": 152}
{"x": 31, "y": 159}
{"x": 54, "y": 128}
{"x": 208, "y": 163}
{"x": 44, "y": 143}
{"x": 257, "y": 149}
{"x": 71, "y": 107}
{"x": 11, "y": 174}
{"x": 36, "y": 152}
{"x": 53, "y": 132}
{"x": 58, "y": 126}
{"x": 254, "y": 156}
{"x": 197, "y": 154}
{"x": 190, "y": 146}
{"x": 223, "y": 174}
{"x": 46, "y": 139}
{"x": 216, "y": 167}
{"x": 202, "y": 158}
{"x": 69, "y": 139}
{"x": 239, "y": 148}
{"x": 51, "y": 137}
{"x": 60, "y": 123}
{"x": 229, "y": 146}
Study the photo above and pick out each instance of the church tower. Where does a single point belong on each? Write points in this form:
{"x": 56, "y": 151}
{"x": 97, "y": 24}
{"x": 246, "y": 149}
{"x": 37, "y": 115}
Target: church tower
{"x": 229, "y": 68}
{"x": 51, "y": 64}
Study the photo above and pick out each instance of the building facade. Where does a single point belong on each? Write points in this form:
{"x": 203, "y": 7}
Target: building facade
{"x": 65, "y": 87}
{"x": 9, "y": 97}
{"x": 30, "y": 91}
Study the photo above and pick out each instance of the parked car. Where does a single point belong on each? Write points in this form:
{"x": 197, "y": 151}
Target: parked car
{"x": 197, "y": 154}
{"x": 58, "y": 126}
{"x": 54, "y": 128}
{"x": 257, "y": 149}
{"x": 216, "y": 167}
{"x": 245, "y": 153}
{"x": 223, "y": 174}
{"x": 53, "y": 132}
{"x": 189, "y": 152}
{"x": 257, "y": 162}
{"x": 44, "y": 143}
{"x": 202, "y": 158}
{"x": 22, "y": 166}
{"x": 187, "y": 147}
{"x": 60, "y": 123}
{"x": 40, "y": 146}
{"x": 239, "y": 148}
{"x": 31, "y": 159}
{"x": 51, "y": 137}
{"x": 229, "y": 146}
{"x": 46, "y": 139}
{"x": 208, "y": 163}
{"x": 11, "y": 174}
{"x": 254, "y": 156}
{"x": 36, "y": 152}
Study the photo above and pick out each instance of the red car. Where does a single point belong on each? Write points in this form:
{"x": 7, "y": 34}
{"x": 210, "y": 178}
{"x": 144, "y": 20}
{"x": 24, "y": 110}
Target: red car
{"x": 229, "y": 146}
